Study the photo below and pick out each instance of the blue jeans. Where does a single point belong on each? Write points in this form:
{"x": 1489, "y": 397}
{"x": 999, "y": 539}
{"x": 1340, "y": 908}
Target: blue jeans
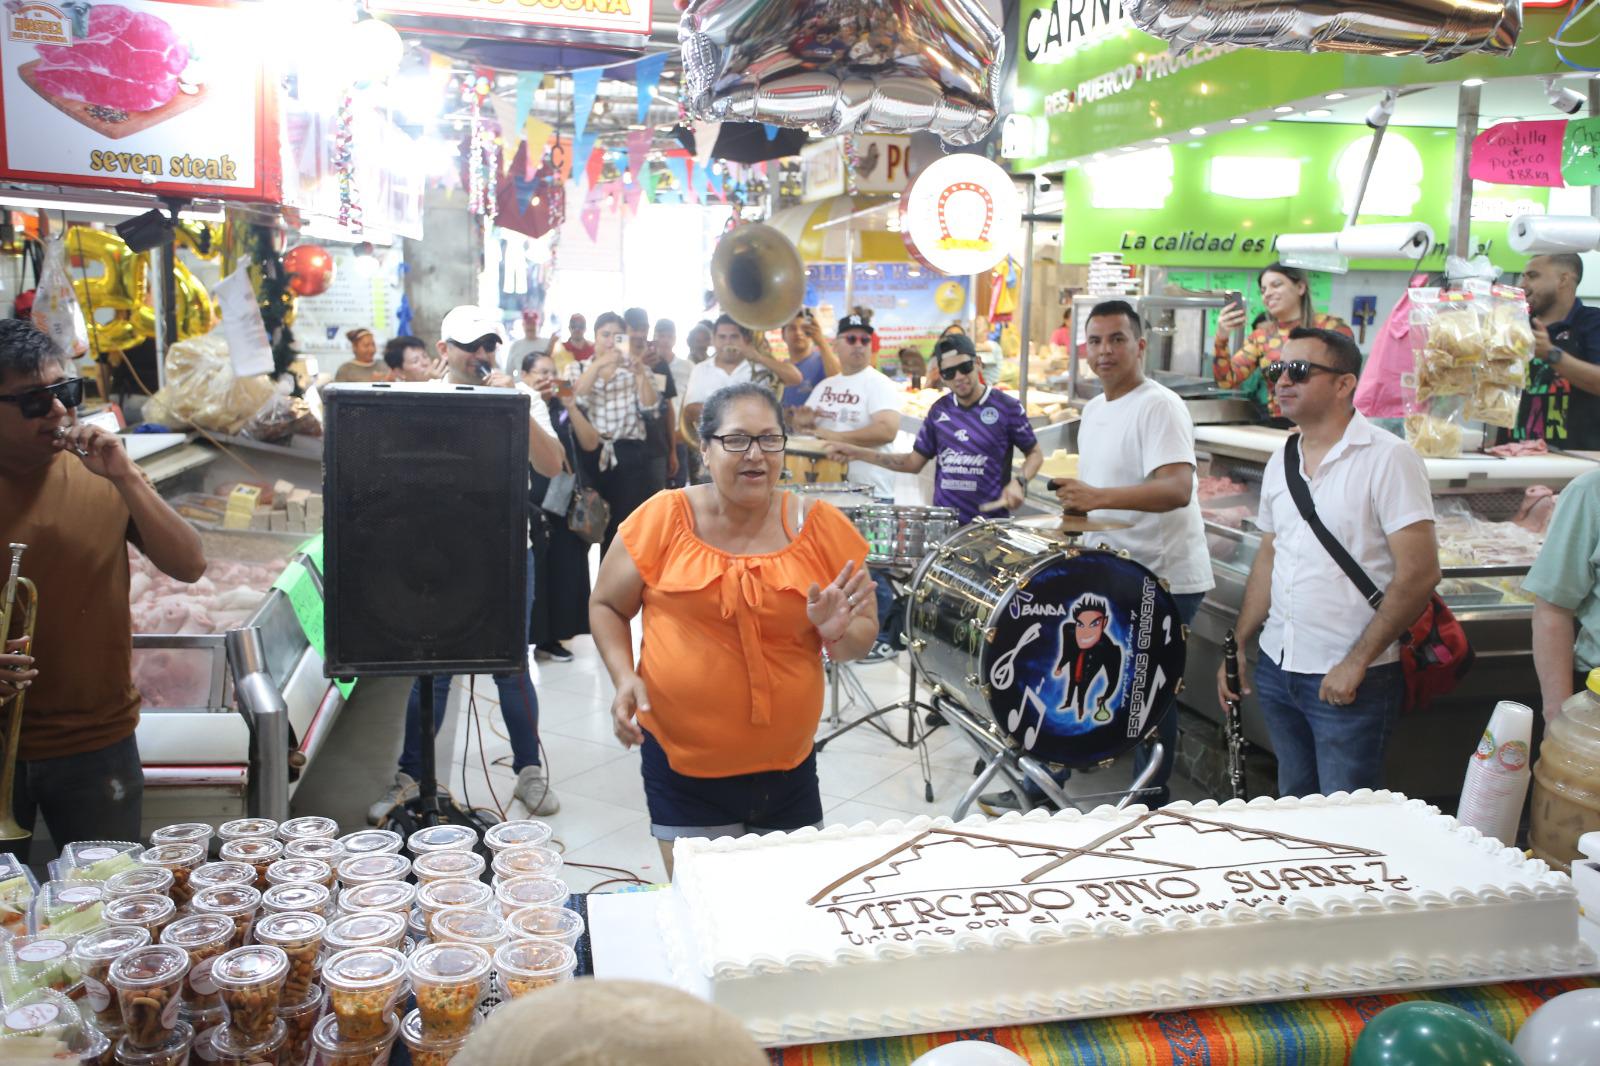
{"x": 519, "y": 709}
{"x": 884, "y": 591}
{"x": 1321, "y": 748}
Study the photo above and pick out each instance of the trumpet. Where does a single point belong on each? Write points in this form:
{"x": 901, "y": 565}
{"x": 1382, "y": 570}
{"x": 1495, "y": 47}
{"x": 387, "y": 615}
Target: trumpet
{"x": 20, "y": 597}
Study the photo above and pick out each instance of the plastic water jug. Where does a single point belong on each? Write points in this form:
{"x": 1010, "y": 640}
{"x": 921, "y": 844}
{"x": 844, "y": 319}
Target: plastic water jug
{"x": 1566, "y": 779}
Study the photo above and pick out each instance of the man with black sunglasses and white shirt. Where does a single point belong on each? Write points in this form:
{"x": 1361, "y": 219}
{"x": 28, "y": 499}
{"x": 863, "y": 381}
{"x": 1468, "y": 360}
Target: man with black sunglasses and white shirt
{"x": 1328, "y": 678}
{"x": 74, "y": 497}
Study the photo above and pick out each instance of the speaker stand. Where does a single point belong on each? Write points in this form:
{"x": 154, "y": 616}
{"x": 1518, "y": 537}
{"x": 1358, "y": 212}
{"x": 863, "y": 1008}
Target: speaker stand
{"x": 429, "y": 808}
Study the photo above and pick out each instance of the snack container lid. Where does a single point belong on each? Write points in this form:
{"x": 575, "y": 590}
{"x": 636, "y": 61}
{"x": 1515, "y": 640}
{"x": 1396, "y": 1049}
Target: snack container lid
{"x": 448, "y": 964}
{"x": 326, "y": 1037}
{"x": 187, "y": 855}
{"x": 534, "y": 958}
{"x": 252, "y": 850}
{"x": 85, "y": 853}
{"x": 358, "y": 969}
{"x": 516, "y": 834}
{"x": 468, "y": 923}
{"x": 290, "y": 927}
{"x": 384, "y": 866}
{"x": 285, "y": 870}
{"x": 226, "y": 899}
{"x": 246, "y": 967}
{"x": 458, "y": 892}
{"x": 222, "y": 873}
{"x": 43, "y": 1013}
{"x": 140, "y": 880}
{"x": 182, "y": 833}
{"x": 59, "y": 897}
{"x": 329, "y": 851}
{"x": 442, "y": 838}
{"x": 155, "y": 964}
{"x": 366, "y": 927}
{"x": 295, "y": 896}
{"x": 528, "y": 860}
{"x": 545, "y": 923}
{"x": 309, "y": 826}
{"x": 112, "y": 941}
{"x": 447, "y": 865}
{"x": 366, "y": 841}
{"x": 241, "y": 828}
{"x": 198, "y": 930}
{"x": 518, "y": 892}
{"x": 411, "y": 1033}
{"x": 378, "y": 896}
{"x": 143, "y": 909}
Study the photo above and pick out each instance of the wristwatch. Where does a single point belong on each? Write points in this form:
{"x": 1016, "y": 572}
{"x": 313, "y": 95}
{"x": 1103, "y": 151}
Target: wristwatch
{"x": 1555, "y": 354}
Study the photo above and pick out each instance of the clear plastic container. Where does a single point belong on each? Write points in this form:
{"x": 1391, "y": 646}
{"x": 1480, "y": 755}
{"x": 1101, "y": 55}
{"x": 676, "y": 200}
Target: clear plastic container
{"x": 442, "y": 838}
{"x": 430, "y": 1050}
{"x": 202, "y": 1020}
{"x": 520, "y": 892}
{"x": 183, "y": 833}
{"x": 68, "y": 908}
{"x": 286, "y": 870}
{"x": 468, "y": 925}
{"x": 147, "y": 910}
{"x": 211, "y": 874}
{"x": 334, "y": 1047}
{"x": 394, "y": 896}
{"x": 546, "y": 923}
{"x": 96, "y": 860}
{"x": 320, "y": 848}
{"x": 138, "y": 881}
{"x": 516, "y": 833}
{"x": 1566, "y": 779}
{"x": 238, "y": 902}
{"x": 46, "y": 1016}
{"x": 250, "y": 981}
{"x": 310, "y": 826}
{"x": 232, "y": 1047}
{"x": 299, "y": 936}
{"x": 17, "y": 893}
{"x": 149, "y": 985}
{"x": 448, "y": 866}
{"x": 449, "y": 981}
{"x": 300, "y": 1017}
{"x": 381, "y": 866}
{"x": 529, "y": 860}
{"x": 204, "y": 937}
{"x": 172, "y": 1050}
{"x": 524, "y": 966}
{"x": 363, "y": 985}
{"x": 417, "y": 930}
{"x": 246, "y": 828}
{"x": 297, "y": 896}
{"x": 183, "y": 859}
{"x": 371, "y": 842}
{"x": 92, "y": 954}
{"x": 35, "y": 963}
{"x": 258, "y": 852}
{"x": 383, "y": 929}
{"x": 436, "y": 896}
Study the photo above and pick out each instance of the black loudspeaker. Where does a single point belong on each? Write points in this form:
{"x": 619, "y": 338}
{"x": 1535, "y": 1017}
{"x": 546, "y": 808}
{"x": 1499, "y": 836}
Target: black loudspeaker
{"x": 425, "y": 490}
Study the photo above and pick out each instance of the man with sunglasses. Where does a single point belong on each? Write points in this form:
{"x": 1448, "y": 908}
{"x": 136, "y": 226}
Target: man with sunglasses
{"x": 71, "y": 493}
{"x": 1328, "y": 678}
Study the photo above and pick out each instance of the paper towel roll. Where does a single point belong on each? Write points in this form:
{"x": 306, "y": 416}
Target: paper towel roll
{"x": 1552, "y": 234}
{"x": 1387, "y": 240}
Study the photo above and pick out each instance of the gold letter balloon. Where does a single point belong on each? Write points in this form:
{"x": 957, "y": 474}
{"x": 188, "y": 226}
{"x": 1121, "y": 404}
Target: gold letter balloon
{"x": 121, "y": 286}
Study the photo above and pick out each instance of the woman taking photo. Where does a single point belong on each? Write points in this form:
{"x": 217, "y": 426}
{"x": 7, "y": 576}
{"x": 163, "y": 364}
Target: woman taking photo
{"x": 742, "y": 588}
{"x": 1286, "y": 292}
{"x": 618, "y": 392}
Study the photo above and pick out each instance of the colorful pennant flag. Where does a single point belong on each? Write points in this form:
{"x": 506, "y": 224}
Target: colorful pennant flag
{"x": 527, "y": 82}
{"x": 585, "y": 87}
{"x": 647, "y": 75}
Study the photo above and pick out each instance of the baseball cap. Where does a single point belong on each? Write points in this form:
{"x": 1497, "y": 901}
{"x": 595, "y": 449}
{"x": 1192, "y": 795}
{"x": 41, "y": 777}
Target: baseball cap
{"x": 955, "y": 342}
{"x": 467, "y": 323}
{"x": 853, "y": 322}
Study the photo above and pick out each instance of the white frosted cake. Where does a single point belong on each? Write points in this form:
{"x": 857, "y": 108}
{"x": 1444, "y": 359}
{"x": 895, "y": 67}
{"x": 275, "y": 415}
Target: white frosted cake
{"x": 930, "y": 924}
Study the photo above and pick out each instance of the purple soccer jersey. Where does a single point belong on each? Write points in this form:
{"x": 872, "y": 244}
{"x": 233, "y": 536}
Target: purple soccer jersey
{"x": 972, "y": 447}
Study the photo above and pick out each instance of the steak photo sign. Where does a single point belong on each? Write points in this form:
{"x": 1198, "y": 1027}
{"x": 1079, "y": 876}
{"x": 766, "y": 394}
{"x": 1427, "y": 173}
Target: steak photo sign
{"x": 146, "y": 95}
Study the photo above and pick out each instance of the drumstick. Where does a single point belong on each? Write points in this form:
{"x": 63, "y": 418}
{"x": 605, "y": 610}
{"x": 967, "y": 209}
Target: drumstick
{"x": 992, "y": 505}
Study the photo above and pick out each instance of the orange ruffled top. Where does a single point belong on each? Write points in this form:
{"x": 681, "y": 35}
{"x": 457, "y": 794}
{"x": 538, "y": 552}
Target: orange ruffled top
{"x": 731, "y": 662}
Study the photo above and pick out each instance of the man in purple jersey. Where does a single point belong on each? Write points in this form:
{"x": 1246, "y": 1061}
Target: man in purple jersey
{"x": 969, "y": 433}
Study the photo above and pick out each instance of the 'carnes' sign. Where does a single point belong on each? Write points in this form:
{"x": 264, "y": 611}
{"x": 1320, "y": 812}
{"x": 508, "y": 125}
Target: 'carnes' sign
{"x": 1050, "y": 31}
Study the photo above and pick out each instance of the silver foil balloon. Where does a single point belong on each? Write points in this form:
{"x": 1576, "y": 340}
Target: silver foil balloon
{"x": 1438, "y": 29}
{"x": 844, "y": 66}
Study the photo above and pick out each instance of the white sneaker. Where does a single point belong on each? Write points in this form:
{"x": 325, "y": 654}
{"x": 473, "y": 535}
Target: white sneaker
{"x": 533, "y": 790}
{"x": 403, "y": 789}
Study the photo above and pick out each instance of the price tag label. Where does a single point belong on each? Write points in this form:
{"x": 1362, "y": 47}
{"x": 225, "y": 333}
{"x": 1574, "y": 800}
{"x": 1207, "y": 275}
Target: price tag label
{"x": 33, "y": 1016}
{"x": 42, "y": 951}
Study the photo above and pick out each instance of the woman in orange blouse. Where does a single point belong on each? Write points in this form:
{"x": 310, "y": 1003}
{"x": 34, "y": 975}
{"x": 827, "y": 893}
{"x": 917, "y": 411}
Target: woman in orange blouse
{"x": 742, "y": 587}
{"x": 1286, "y": 291}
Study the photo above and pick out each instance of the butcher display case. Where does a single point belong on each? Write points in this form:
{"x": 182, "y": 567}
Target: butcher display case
{"x": 1491, "y": 514}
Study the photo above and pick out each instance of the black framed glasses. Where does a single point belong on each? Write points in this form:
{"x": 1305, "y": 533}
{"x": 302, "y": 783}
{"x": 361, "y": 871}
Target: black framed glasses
{"x": 36, "y": 403}
{"x": 949, "y": 372}
{"x": 485, "y": 344}
{"x": 739, "y": 443}
{"x": 1299, "y": 370}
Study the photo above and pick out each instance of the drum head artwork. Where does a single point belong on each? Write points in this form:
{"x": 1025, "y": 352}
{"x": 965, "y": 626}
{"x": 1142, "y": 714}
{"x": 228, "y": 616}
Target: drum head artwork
{"x": 1086, "y": 658}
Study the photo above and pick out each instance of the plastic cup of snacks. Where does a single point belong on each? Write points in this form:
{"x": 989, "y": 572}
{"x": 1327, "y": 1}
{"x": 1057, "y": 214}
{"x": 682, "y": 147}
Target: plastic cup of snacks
{"x": 427, "y": 1049}
{"x": 245, "y": 828}
{"x": 42, "y": 961}
{"x": 316, "y": 871}
{"x": 319, "y": 848}
{"x": 560, "y": 924}
{"x": 449, "y": 981}
{"x": 516, "y": 893}
{"x": 371, "y": 841}
{"x": 447, "y": 866}
{"x": 183, "y": 858}
{"x": 149, "y": 985}
{"x": 468, "y": 925}
{"x": 138, "y": 881}
{"x": 232, "y": 1047}
{"x": 380, "y": 866}
{"x": 521, "y": 832}
{"x": 259, "y": 852}
{"x": 204, "y": 937}
{"x": 524, "y": 966}
{"x": 211, "y": 874}
{"x": 441, "y": 838}
{"x": 250, "y": 981}
{"x": 68, "y": 907}
{"x": 436, "y": 896}
{"x": 172, "y": 1050}
{"x": 310, "y": 826}
{"x": 300, "y": 1017}
{"x": 367, "y": 929}
{"x": 183, "y": 833}
{"x": 394, "y": 896}
{"x": 334, "y": 1046}
{"x": 92, "y": 954}
{"x": 238, "y": 902}
{"x": 147, "y": 910}
{"x": 299, "y": 934}
{"x": 529, "y": 860}
{"x": 363, "y": 984}
{"x": 297, "y": 896}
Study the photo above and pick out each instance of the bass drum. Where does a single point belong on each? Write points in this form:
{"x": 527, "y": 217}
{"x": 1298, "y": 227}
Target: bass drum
{"x": 1076, "y": 653}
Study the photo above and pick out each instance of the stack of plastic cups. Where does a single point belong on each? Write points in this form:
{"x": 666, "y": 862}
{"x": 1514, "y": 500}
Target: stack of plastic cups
{"x": 183, "y": 858}
{"x": 365, "y": 869}
{"x": 148, "y": 983}
{"x": 524, "y": 966}
{"x": 450, "y": 981}
{"x": 205, "y": 937}
{"x": 236, "y": 902}
{"x": 250, "y": 981}
{"x": 396, "y": 896}
{"x": 560, "y": 924}
{"x": 93, "y": 953}
{"x": 530, "y": 860}
{"x": 468, "y": 925}
{"x": 523, "y": 832}
{"x": 518, "y": 893}
{"x": 363, "y": 986}
{"x": 257, "y": 852}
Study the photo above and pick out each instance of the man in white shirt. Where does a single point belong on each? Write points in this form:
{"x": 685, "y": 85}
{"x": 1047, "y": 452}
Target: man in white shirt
{"x": 734, "y": 360}
{"x": 858, "y": 405}
{"x": 1328, "y": 678}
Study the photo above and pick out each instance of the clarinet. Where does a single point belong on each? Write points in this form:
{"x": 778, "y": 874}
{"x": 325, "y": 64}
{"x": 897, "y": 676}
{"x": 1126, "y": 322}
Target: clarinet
{"x": 1232, "y": 723}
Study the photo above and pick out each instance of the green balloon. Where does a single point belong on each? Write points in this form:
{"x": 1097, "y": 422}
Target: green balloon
{"x": 1420, "y": 1033}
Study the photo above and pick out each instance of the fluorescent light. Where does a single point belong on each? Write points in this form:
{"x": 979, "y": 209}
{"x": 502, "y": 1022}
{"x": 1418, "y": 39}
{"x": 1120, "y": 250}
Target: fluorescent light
{"x": 1254, "y": 177}
{"x": 1198, "y": 131}
{"x": 1472, "y": 83}
{"x": 1237, "y": 121}
{"x": 1071, "y": 164}
{"x": 209, "y": 210}
{"x": 1336, "y": 96}
{"x": 1284, "y": 109}
{"x": 1318, "y": 112}
{"x": 1163, "y": 140}
{"x": 1129, "y": 148}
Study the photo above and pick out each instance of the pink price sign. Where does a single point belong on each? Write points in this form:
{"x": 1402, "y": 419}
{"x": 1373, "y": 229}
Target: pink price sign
{"x": 1520, "y": 153}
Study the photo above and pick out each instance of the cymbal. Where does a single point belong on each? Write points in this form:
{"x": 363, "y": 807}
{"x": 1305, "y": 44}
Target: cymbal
{"x": 1072, "y": 523}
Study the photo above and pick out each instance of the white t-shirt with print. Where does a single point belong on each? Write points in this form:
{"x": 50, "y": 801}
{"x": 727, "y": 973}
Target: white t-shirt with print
{"x": 708, "y": 378}
{"x": 847, "y": 402}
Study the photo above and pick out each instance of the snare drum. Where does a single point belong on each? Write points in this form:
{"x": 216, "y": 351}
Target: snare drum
{"x": 1076, "y": 653}
{"x": 903, "y": 536}
{"x": 847, "y": 497}
{"x": 806, "y": 462}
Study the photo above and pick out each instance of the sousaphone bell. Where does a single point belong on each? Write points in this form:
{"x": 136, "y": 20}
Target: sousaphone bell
{"x": 757, "y": 276}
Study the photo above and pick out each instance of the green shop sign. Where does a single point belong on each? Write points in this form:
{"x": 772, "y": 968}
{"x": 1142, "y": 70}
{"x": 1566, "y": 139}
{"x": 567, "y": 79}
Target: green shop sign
{"x": 1088, "y": 81}
{"x": 1223, "y": 200}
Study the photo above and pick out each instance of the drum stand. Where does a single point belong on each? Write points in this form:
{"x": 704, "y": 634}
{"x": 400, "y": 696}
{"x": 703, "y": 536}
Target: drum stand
{"x": 1005, "y": 760}
{"x": 916, "y": 735}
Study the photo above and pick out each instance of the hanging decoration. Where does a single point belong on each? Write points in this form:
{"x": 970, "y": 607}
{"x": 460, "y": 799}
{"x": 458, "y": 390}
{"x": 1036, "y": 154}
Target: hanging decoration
{"x": 527, "y": 83}
{"x": 121, "y": 286}
{"x": 483, "y": 168}
{"x": 257, "y": 245}
{"x": 310, "y": 268}
{"x": 646, "y": 76}
{"x": 585, "y": 87}
{"x": 532, "y": 206}
{"x": 852, "y": 163}
{"x": 344, "y": 165}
